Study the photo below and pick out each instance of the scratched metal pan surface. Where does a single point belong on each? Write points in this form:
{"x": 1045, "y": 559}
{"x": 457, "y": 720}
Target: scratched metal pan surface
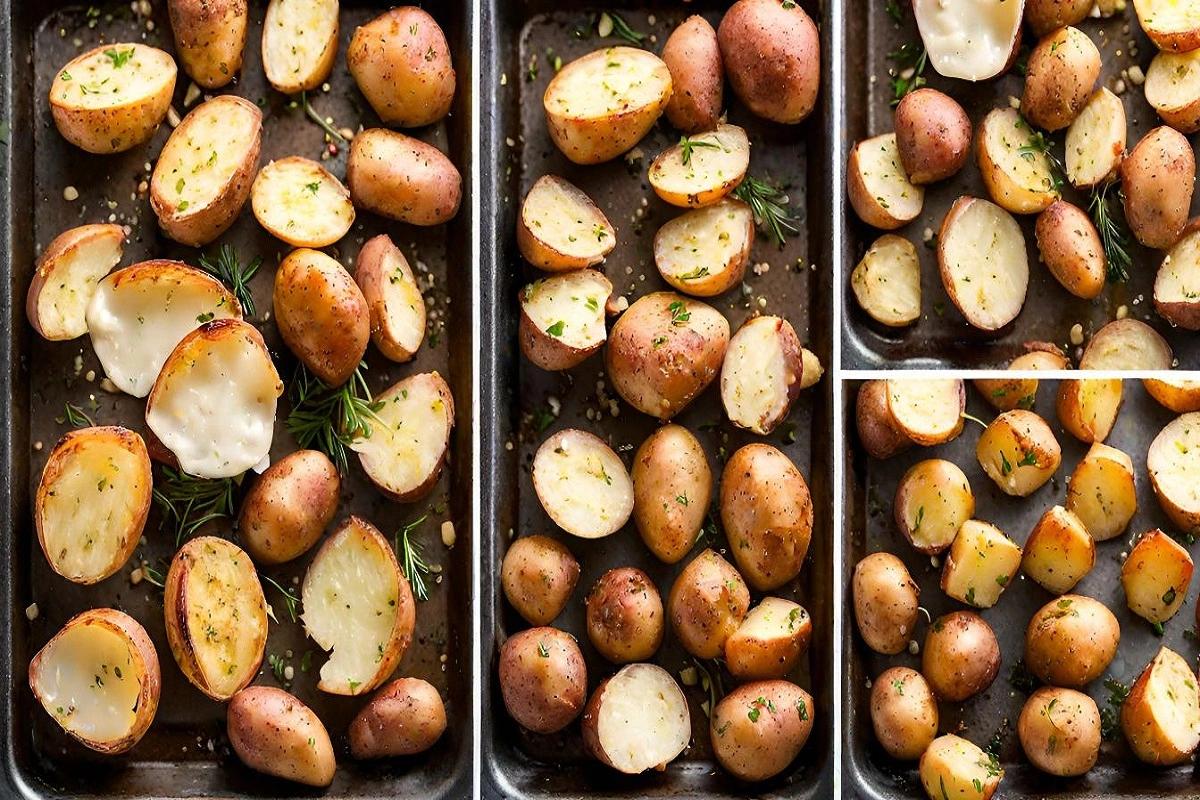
{"x": 186, "y": 752}
{"x": 868, "y": 772}
{"x": 527, "y": 37}
{"x": 942, "y": 337}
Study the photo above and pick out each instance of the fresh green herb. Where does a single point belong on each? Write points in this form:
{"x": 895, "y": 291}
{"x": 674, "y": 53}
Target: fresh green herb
{"x": 557, "y": 328}
{"x": 353, "y": 684}
{"x": 1028, "y": 460}
{"x": 184, "y": 205}
{"x": 313, "y": 187}
{"x": 312, "y": 114}
{"x": 942, "y": 784}
{"x": 710, "y": 682}
{"x": 1109, "y": 722}
{"x": 682, "y": 499}
{"x": 992, "y": 765}
{"x": 1157, "y": 627}
{"x": 532, "y": 73}
{"x": 593, "y": 304}
{"x": 611, "y": 24}
{"x": 227, "y": 268}
{"x": 978, "y": 784}
{"x": 1020, "y": 678}
{"x": 1112, "y": 234}
{"x": 542, "y": 651}
{"x": 802, "y": 708}
{"x": 769, "y": 205}
{"x": 920, "y": 518}
{"x": 971, "y": 595}
{"x": 688, "y": 145}
{"x": 1040, "y": 146}
{"x": 659, "y": 341}
{"x": 898, "y": 685}
{"x": 119, "y": 58}
{"x": 331, "y": 419}
{"x": 153, "y": 576}
{"x": 190, "y": 502}
{"x": 911, "y": 60}
{"x": 543, "y": 418}
{"x": 277, "y": 666}
{"x": 894, "y": 10}
{"x": 1002, "y": 580}
{"x": 753, "y": 713}
{"x": 1026, "y": 402}
{"x": 289, "y": 600}
{"x": 1005, "y": 467}
{"x": 679, "y": 314}
{"x": 206, "y": 317}
{"x": 412, "y": 559}
{"x": 993, "y": 746}
{"x": 697, "y": 273}
{"x": 74, "y": 415}
{"x": 1169, "y": 596}
{"x": 788, "y": 432}
{"x": 553, "y": 60}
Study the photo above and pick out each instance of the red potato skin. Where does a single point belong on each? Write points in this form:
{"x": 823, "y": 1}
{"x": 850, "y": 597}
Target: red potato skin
{"x": 394, "y": 724}
{"x": 880, "y": 438}
{"x": 268, "y": 705}
{"x": 381, "y": 47}
{"x": 402, "y": 178}
{"x": 1153, "y": 218}
{"x": 944, "y": 137}
{"x": 301, "y": 492}
{"x": 521, "y": 662}
{"x": 199, "y": 25}
{"x": 779, "y": 78}
{"x": 693, "y": 57}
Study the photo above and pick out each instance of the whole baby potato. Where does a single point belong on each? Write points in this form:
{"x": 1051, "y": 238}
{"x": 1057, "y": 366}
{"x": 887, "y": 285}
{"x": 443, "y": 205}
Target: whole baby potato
{"x": 760, "y": 728}
{"x": 543, "y": 679}
{"x": 1045, "y": 16}
{"x": 1060, "y": 731}
{"x": 1059, "y": 78}
{"x": 772, "y": 55}
{"x": 210, "y": 36}
{"x": 1070, "y": 641}
{"x": 538, "y": 575}
{"x": 273, "y": 732}
{"x": 671, "y": 486}
{"x": 933, "y": 136}
{"x": 401, "y": 63}
{"x": 1070, "y": 246}
{"x": 961, "y": 656}
{"x": 885, "y": 603}
{"x": 625, "y": 616}
{"x": 904, "y": 713}
{"x": 288, "y": 507}
{"x": 1158, "y": 180}
{"x": 406, "y": 716}
{"x": 708, "y": 602}
{"x": 697, "y": 76}
{"x": 402, "y": 178}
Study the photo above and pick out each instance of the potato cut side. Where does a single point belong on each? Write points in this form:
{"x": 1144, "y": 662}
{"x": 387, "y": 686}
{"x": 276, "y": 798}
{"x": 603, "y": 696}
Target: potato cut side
{"x": 582, "y": 484}
{"x": 1102, "y": 492}
{"x": 879, "y": 188}
{"x": 703, "y": 168}
{"x": 1156, "y": 576}
{"x": 138, "y": 314}
{"x": 99, "y": 679}
{"x": 560, "y": 228}
{"x": 213, "y": 404}
{"x": 299, "y": 43}
{"x": 887, "y": 282}
{"x": 562, "y": 318}
{"x": 953, "y": 766}
{"x": 1059, "y": 551}
{"x": 705, "y": 251}
{"x": 984, "y": 264}
{"x": 981, "y": 563}
{"x": 1095, "y": 143}
{"x": 967, "y": 39}
{"x": 300, "y": 202}
{"x": 770, "y": 641}
{"x": 1173, "y": 89}
{"x": 67, "y": 274}
{"x": 761, "y": 373}
{"x": 1173, "y": 462}
{"x": 216, "y": 616}
{"x": 1177, "y": 285}
{"x": 404, "y": 454}
{"x": 359, "y": 605}
{"x": 1088, "y": 408}
{"x": 1171, "y": 24}
{"x": 1127, "y": 344}
{"x": 1177, "y": 394}
{"x": 394, "y": 300}
{"x": 932, "y": 502}
{"x": 1005, "y": 394}
{"x": 928, "y": 411}
{"x": 641, "y": 720}
{"x": 1161, "y": 716}
{"x": 1018, "y": 452}
{"x": 1018, "y": 175}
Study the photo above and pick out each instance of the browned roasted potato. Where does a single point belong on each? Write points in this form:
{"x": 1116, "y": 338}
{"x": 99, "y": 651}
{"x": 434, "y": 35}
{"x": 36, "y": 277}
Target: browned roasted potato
{"x": 1060, "y": 731}
{"x": 538, "y": 575}
{"x": 704, "y": 252}
{"x": 401, "y": 63}
{"x": 772, "y": 56}
{"x": 1059, "y": 78}
{"x": 880, "y": 435}
{"x": 928, "y": 410}
{"x": 1127, "y": 344}
{"x": 759, "y": 728}
{"x": 702, "y": 169}
{"x": 1177, "y": 285}
{"x": 210, "y": 38}
{"x": 904, "y": 713}
{"x": 933, "y": 500}
{"x": 1059, "y": 551}
{"x": 885, "y": 603}
{"x": 1101, "y": 492}
{"x": 1088, "y": 408}
{"x": 405, "y": 717}
{"x": 637, "y": 720}
{"x": 543, "y": 679}
{"x": 671, "y": 486}
{"x": 1018, "y": 452}
{"x": 394, "y": 301}
{"x": 707, "y": 603}
{"x": 402, "y": 178}
{"x": 560, "y": 228}
{"x": 880, "y": 191}
{"x": 959, "y": 766}
{"x": 625, "y": 616}
{"x": 1161, "y": 716}
{"x": 288, "y": 508}
{"x": 67, "y": 275}
{"x": 770, "y": 641}
{"x": 933, "y": 136}
{"x": 1172, "y": 461}
{"x": 273, "y": 732}
{"x": 1071, "y": 641}
{"x": 961, "y": 656}
{"x": 1177, "y": 394}
{"x": 562, "y": 318}
{"x": 410, "y": 440}
{"x": 980, "y": 564}
{"x": 1019, "y": 177}
{"x": 1070, "y": 247}
{"x": 1156, "y": 576}
{"x": 761, "y": 374}
{"x": 1173, "y": 89}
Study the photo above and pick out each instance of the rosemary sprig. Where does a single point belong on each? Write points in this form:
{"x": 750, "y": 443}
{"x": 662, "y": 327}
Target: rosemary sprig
{"x": 74, "y": 415}
{"x": 192, "y": 502}
{"x": 769, "y": 205}
{"x": 689, "y": 145}
{"x": 227, "y": 268}
{"x": 1112, "y": 236}
{"x": 1040, "y": 146}
{"x": 331, "y": 419}
{"x": 610, "y": 23}
{"x": 911, "y": 60}
{"x": 289, "y": 600}
{"x": 330, "y": 131}
{"x": 153, "y": 577}
{"x": 412, "y": 559}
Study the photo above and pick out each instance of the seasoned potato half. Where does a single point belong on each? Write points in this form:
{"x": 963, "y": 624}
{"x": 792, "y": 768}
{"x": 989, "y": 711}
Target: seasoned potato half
{"x": 357, "y": 604}
{"x": 880, "y": 191}
{"x": 1071, "y": 641}
{"x": 1041, "y": 355}
{"x": 625, "y": 616}
{"x": 702, "y": 169}
{"x": 560, "y": 228}
{"x": 591, "y": 126}
{"x": 273, "y": 732}
{"x": 1161, "y": 716}
{"x": 1095, "y": 143}
{"x": 216, "y": 616}
{"x": 671, "y": 486}
{"x": 963, "y": 42}
{"x": 693, "y": 56}
{"x": 1005, "y": 394}
{"x": 138, "y": 314}
{"x": 582, "y": 484}
{"x": 928, "y": 411}
{"x": 1088, "y": 408}
{"x": 759, "y": 728}
{"x": 99, "y": 679}
{"x": 1177, "y": 394}
{"x": 66, "y": 277}
{"x": 705, "y": 251}
{"x": 961, "y": 656}
{"x": 932, "y": 501}
{"x": 933, "y": 136}
{"x": 1156, "y": 576}
{"x": 1177, "y": 285}
{"x": 707, "y": 604}
{"x": 1019, "y": 177}
{"x": 904, "y": 713}
{"x": 982, "y": 561}
{"x": 210, "y": 38}
{"x": 772, "y": 56}
{"x": 562, "y": 318}
{"x": 952, "y": 763}
{"x": 1101, "y": 492}
{"x": 880, "y": 435}
{"x": 887, "y": 282}
{"x": 1157, "y": 183}
{"x": 770, "y": 640}
{"x": 761, "y": 374}
{"x": 1171, "y": 25}
{"x": 538, "y": 575}
{"x": 93, "y": 474}
{"x": 637, "y": 720}
{"x": 885, "y": 603}
{"x": 983, "y": 262}
{"x": 299, "y": 43}
{"x": 402, "y": 178}
{"x": 1059, "y": 78}
{"x": 1059, "y": 551}
{"x": 543, "y": 679}
{"x": 1059, "y": 731}
{"x": 1018, "y": 452}
{"x": 213, "y": 405}
{"x": 112, "y": 98}
{"x": 401, "y": 63}
{"x": 406, "y": 717}
{"x": 299, "y": 201}
{"x": 287, "y": 509}
{"x": 1173, "y": 89}
{"x": 1070, "y": 246}
{"x": 394, "y": 301}
{"x": 410, "y": 437}
{"x": 1127, "y": 344}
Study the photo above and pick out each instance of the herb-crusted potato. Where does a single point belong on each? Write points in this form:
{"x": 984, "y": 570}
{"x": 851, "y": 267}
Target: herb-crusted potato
{"x": 560, "y": 228}
{"x": 879, "y": 188}
{"x": 538, "y": 575}
{"x": 955, "y": 767}
{"x": 928, "y": 411}
{"x": 707, "y": 604}
{"x": 933, "y": 500}
{"x": 759, "y": 728}
{"x": 210, "y": 38}
{"x": 287, "y": 509}
{"x": 761, "y": 374}
{"x": 1095, "y": 144}
{"x": 772, "y": 56}
{"x": 693, "y": 56}
{"x": 933, "y": 136}
{"x": 961, "y": 656}
{"x": 1177, "y": 285}
{"x": 904, "y": 713}
{"x": 966, "y": 42}
{"x": 1157, "y": 182}
{"x": 1071, "y": 641}
{"x": 299, "y": 201}
{"x": 299, "y": 43}
{"x": 1088, "y": 408}
{"x": 983, "y": 263}
{"x": 1102, "y": 493}
{"x": 1070, "y": 247}
{"x": 625, "y": 616}
{"x": 66, "y": 277}
{"x": 1019, "y": 176}
{"x": 582, "y": 484}
{"x": 1060, "y": 731}
{"x": 770, "y": 641}
{"x": 704, "y": 252}
{"x": 401, "y": 63}
{"x": 1156, "y": 576}
{"x": 543, "y": 679}
{"x": 637, "y": 720}
{"x": 273, "y": 732}
{"x": 1173, "y": 89}
{"x": 562, "y": 318}
{"x": 407, "y": 716}
{"x": 982, "y": 561}
{"x": 410, "y": 437}
{"x": 394, "y": 301}
{"x": 402, "y": 178}
{"x": 1127, "y": 344}
{"x": 885, "y": 603}
{"x": 1059, "y": 551}
{"x": 1172, "y": 461}
{"x": 1018, "y": 452}
{"x": 887, "y": 281}
{"x": 702, "y": 169}
{"x": 1161, "y": 716}
{"x": 671, "y": 486}
{"x": 1059, "y": 78}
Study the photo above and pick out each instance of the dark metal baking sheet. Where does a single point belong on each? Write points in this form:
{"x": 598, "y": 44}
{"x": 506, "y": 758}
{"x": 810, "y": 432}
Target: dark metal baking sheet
{"x": 942, "y": 336}
{"x": 185, "y": 751}
{"x": 516, "y": 394}
{"x": 869, "y": 527}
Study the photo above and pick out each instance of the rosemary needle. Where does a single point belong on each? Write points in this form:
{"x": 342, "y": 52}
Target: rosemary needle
{"x": 412, "y": 559}
{"x": 227, "y": 268}
{"x": 769, "y": 205}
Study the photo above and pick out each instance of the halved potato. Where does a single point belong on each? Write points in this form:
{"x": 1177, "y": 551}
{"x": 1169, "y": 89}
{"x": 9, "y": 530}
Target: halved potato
{"x": 770, "y": 640}
{"x": 1177, "y": 394}
{"x": 113, "y": 97}
{"x": 1173, "y": 89}
{"x": 1059, "y": 77}
{"x": 138, "y": 314}
{"x": 1177, "y": 285}
{"x": 394, "y": 300}
{"x": 701, "y": 169}
{"x": 1095, "y": 144}
{"x": 1156, "y": 576}
{"x": 1018, "y": 452}
{"x": 582, "y": 484}
{"x": 601, "y": 105}
{"x": 887, "y": 282}
{"x": 1088, "y": 408}
{"x": 953, "y": 766}
{"x": 216, "y": 616}
{"x": 1018, "y": 176}
{"x": 1171, "y": 24}
{"x": 1127, "y": 344}
{"x": 932, "y": 502}
{"x": 637, "y": 720}
{"x": 359, "y": 605}
{"x": 980, "y": 564}
{"x": 410, "y": 437}
{"x": 983, "y": 263}
{"x": 969, "y": 41}
{"x": 99, "y": 679}
{"x": 66, "y": 277}
{"x": 880, "y": 191}
{"x": 1059, "y": 551}
{"x": 1173, "y": 461}
{"x": 760, "y": 376}
{"x": 560, "y": 228}
{"x": 1161, "y": 716}
{"x": 705, "y": 251}
{"x": 881, "y": 437}
{"x": 1101, "y": 491}
{"x": 213, "y": 405}
{"x": 1070, "y": 246}
{"x": 562, "y": 318}
{"x": 929, "y": 411}
{"x": 1157, "y": 184}
{"x": 299, "y": 43}
{"x": 300, "y": 202}
{"x": 92, "y": 475}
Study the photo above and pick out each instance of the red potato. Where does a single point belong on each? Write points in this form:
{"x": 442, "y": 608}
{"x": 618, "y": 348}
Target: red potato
{"x": 693, "y": 56}
{"x": 637, "y": 720}
{"x": 407, "y": 716}
{"x": 772, "y": 56}
{"x": 1158, "y": 180}
{"x": 933, "y": 136}
{"x": 273, "y": 732}
{"x": 543, "y": 679}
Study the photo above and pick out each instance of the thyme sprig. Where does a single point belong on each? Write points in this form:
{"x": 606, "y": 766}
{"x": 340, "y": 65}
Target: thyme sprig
{"x": 227, "y": 267}
{"x": 190, "y": 502}
{"x": 769, "y": 205}
{"x": 412, "y": 558}
{"x": 1112, "y": 235}
{"x": 289, "y": 600}
{"x": 911, "y": 60}
{"x": 331, "y": 419}
{"x": 688, "y": 145}
{"x": 75, "y": 415}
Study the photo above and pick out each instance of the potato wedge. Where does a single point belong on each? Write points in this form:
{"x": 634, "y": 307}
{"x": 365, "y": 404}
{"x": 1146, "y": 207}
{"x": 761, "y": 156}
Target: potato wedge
{"x": 761, "y": 374}
{"x": 1157, "y": 183}
{"x": 707, "y": 604}
{"x": 966, "y": 42}
{"x": 562, "y": 318}
{"x": 703, "y": 168}
{"x": 1171, "y": 25}
{"x": 881, "y": 437}
{"x": 1019, "y": 177}
{"x": 961, "y": 656}
{"x": 693, "y": 56}
{"x": 1059, "y": 78}
{"x": 299, "y": 201}
{"x": 66, "y": 277}
{"x": 933, "y": 500}
{"x": 358, "y": 605}
{"x": 401, "y": 63}
{"x": 1173, "y": 457}
{"x": 112, "y": 98}
{"x": 928, "y": 411}
{"x": 1101, "y": 492}
{"x": 1173, "y": 89}
{"x": 213, "y": 404}
{"x": 1059, "y": 731}
{"x": 759, "y": 728}
{"x": 99, "y": 679}
{"x": 1095, "y": 143}
{"x": 406, "y": 717}
{"x": 394, "y": 301}
{"x": 1127, "y": 344}
{"x": 770, "y": 641}
{"x": 1071, "y": 641}
{"x": 671, "y": 486}
{"x": 560, "y": 228}
{"x": 983, "y": 263}
{"x": 299, "y": 43}
{"x": 1156, "y": 576}
{"x": 885, "y": 603}
{"x": 582, "y": 484}
{"x": 1177, "y": 285}
{"x": 409, "y": 443}
{"x": 210, "y": 38}
{"x": 1088, "y": 408}
{"x": 982, "y": 561}
{"x": 287, "y": 509}
{"x": 273, "y": 732}
{"x": 1161, "y": 716}
{"x": 1176, "y": 394}
{"x": 705, "y": 251}
{"x": 904, "y": 713}
{"x": 887, "y": 282}
{"x": 591, "y": 126}
{"x": 1018, "y": 452}
{"x": 637, "y": 720}
{"x": 880, "y": 191}
{"x": 93, "y": 474}
{"x": 1059, "y": 551}
{"x": 402, "y": 178}
{"x": 952, "y": 764}
{"x": 1070, "y": 246}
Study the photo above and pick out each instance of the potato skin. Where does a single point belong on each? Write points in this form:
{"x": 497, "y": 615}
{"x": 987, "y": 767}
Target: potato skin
{"x": 878, "y": 432}
{"x": 625, "y": 616}
{"x": 271, "y": 731}
{"x": 1060, "y": 731}
{"x": 754, "y": 742}
{"x": 401, "y": 63}
{"x": 380, "y": 265}
{"x": 961, "y": 656}
{"x": 1071, "y": 641}
{"x": 671, "y": 486}
{"x": 697, "y": 76}
{"x": 933, "y": 136}
{"x": 538, "y": 575}
{"x": 1158, "y": 179}
{"x": 1059, "y": 78}
{"x": 904, "y": 713}
{"x": 405, "y": 717}
{"x": 543, "y": 693}
{"x": 885, "y": 603}
{"x": 1045, "y": 16}
{"x": 210, "y": 37}
{"x": 289, "y": 506}
{"x": 402, "y": 178}
{"x": 772, "y": 56}
{"x": 1070, "y": 246}
{"x": 707, "y": 602}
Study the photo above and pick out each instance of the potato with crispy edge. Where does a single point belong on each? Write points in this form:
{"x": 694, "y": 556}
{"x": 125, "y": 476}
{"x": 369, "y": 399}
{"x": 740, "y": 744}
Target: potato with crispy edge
{"x": 560, "y": 228}
{"x": 1173, "y": 89}
{"x": 702, "y": 169}
{"x": 704, "y": 252}
{"x": 672, "y": 483}
{"x": 1157, "y": 182}
{"x": 299, "y": 43}
{"x": 770, "y": 641}
{"x": 880, "y": 191}
{"x": 299, "y": 201}
{"x": 885, "y": 603}
{"x": 1059, "y": 551}
{"x": 961, "y": 656}
{"x": 394, "y": 301}
{"x": 1170, "y": 25}
{"x": 1161, "y": 716}
{"x": 952, "y": 764}
{"x": 582, "y": 484}
{"x": 1059, "y": 731}
{"x": 904, "y": 713}
{"x": 1071, "y": 641}
{"x": 637, "y": 720}
{"x": 1018, "y": 175}
{"x": 1156, "y": 576}
{"x": 759, "y": 728}
{"x": 562, "y": 318}
{"x": 405, "y": 717}
{"x": 980, "y": 564}
{"x": 693, "y": 56}
{"x": 1127, "y": 344}
{"x": 933, "y": 136}
{"x": 1018, "y": 452}
{"x": 410, "y": 441}
{"x": 887, "y": 281}
{"x": 543, "y": 679}
{"x": 707, "y": 603}
{"x": 288, "y": 508}
{"x": 933, "y": 499}
{"x": 1088, "y": 408}
{"x": 273, "y": 732}
{"x": 1176, "y": 394}
{"x": 1177, "y": 284}
{"x": 401, "y": 63}
{"x": 983, "y": 263}
{"x": 761, "y": 374}
{"x": 928, "y": 410}
{"x": 1059, "y": 78}
{"x": 1172, "y": 461}
{"x": 1070, "y": 247}
{"x": 66, "y": 277}
{"x": 210, "y": 37}
{"x": 402, "y": 178}
{"x": 538, "y": 575}
{"x": 1095, "y": 143}
{"x": 881, "y": 437}
{"x": 625, "y": 616}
